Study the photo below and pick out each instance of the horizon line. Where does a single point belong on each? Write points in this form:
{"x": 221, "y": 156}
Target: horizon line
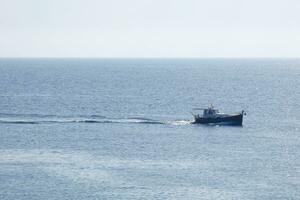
{"x": 85, "y": 57}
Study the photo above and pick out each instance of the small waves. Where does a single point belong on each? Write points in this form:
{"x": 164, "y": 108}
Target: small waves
{"x": 6, "y": 118}
{"x": 17, "y": 122}
{"x": 48, "y": 116}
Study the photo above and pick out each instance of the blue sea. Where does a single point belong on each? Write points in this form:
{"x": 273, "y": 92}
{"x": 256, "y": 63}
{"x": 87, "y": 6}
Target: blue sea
{"x": 121, "y": 129}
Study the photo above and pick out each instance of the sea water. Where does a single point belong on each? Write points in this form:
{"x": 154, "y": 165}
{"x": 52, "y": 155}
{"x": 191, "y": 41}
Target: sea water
{"x": 121, "y": 129}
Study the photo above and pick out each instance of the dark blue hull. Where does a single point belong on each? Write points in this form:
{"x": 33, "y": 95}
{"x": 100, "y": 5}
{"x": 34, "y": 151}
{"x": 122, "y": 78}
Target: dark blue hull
{"x": 234, "y": 120}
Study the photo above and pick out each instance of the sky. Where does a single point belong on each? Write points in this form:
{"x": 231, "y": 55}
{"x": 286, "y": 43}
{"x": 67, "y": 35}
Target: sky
{"x": 150, "y": 28}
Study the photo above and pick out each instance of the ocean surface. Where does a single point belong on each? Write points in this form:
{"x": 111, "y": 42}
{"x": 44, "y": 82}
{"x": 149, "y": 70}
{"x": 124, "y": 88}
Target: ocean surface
{"x": 121, "y": 129}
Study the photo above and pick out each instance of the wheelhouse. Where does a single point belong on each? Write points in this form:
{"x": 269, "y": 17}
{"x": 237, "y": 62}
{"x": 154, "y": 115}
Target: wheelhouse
{"x": 210, "y": 112}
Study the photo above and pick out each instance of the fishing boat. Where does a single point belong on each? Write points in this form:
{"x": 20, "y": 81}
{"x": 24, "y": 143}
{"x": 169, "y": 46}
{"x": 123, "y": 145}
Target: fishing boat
{"x": 213, "y": 116}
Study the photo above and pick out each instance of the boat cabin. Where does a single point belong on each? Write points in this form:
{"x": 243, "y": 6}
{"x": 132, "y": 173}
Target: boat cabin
{"x": 210, "y": 112}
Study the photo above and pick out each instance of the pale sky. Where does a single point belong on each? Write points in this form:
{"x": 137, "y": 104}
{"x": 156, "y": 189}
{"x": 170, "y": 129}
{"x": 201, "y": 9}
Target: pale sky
{"x": 150, "y": 28}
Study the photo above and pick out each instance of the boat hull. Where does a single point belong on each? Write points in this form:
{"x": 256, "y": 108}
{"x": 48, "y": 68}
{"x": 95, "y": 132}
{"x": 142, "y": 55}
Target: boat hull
{"x": 234, "y": 120}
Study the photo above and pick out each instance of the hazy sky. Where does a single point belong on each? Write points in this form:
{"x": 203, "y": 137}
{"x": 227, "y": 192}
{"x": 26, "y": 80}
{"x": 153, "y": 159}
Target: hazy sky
{"x": 149, "y": 28}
